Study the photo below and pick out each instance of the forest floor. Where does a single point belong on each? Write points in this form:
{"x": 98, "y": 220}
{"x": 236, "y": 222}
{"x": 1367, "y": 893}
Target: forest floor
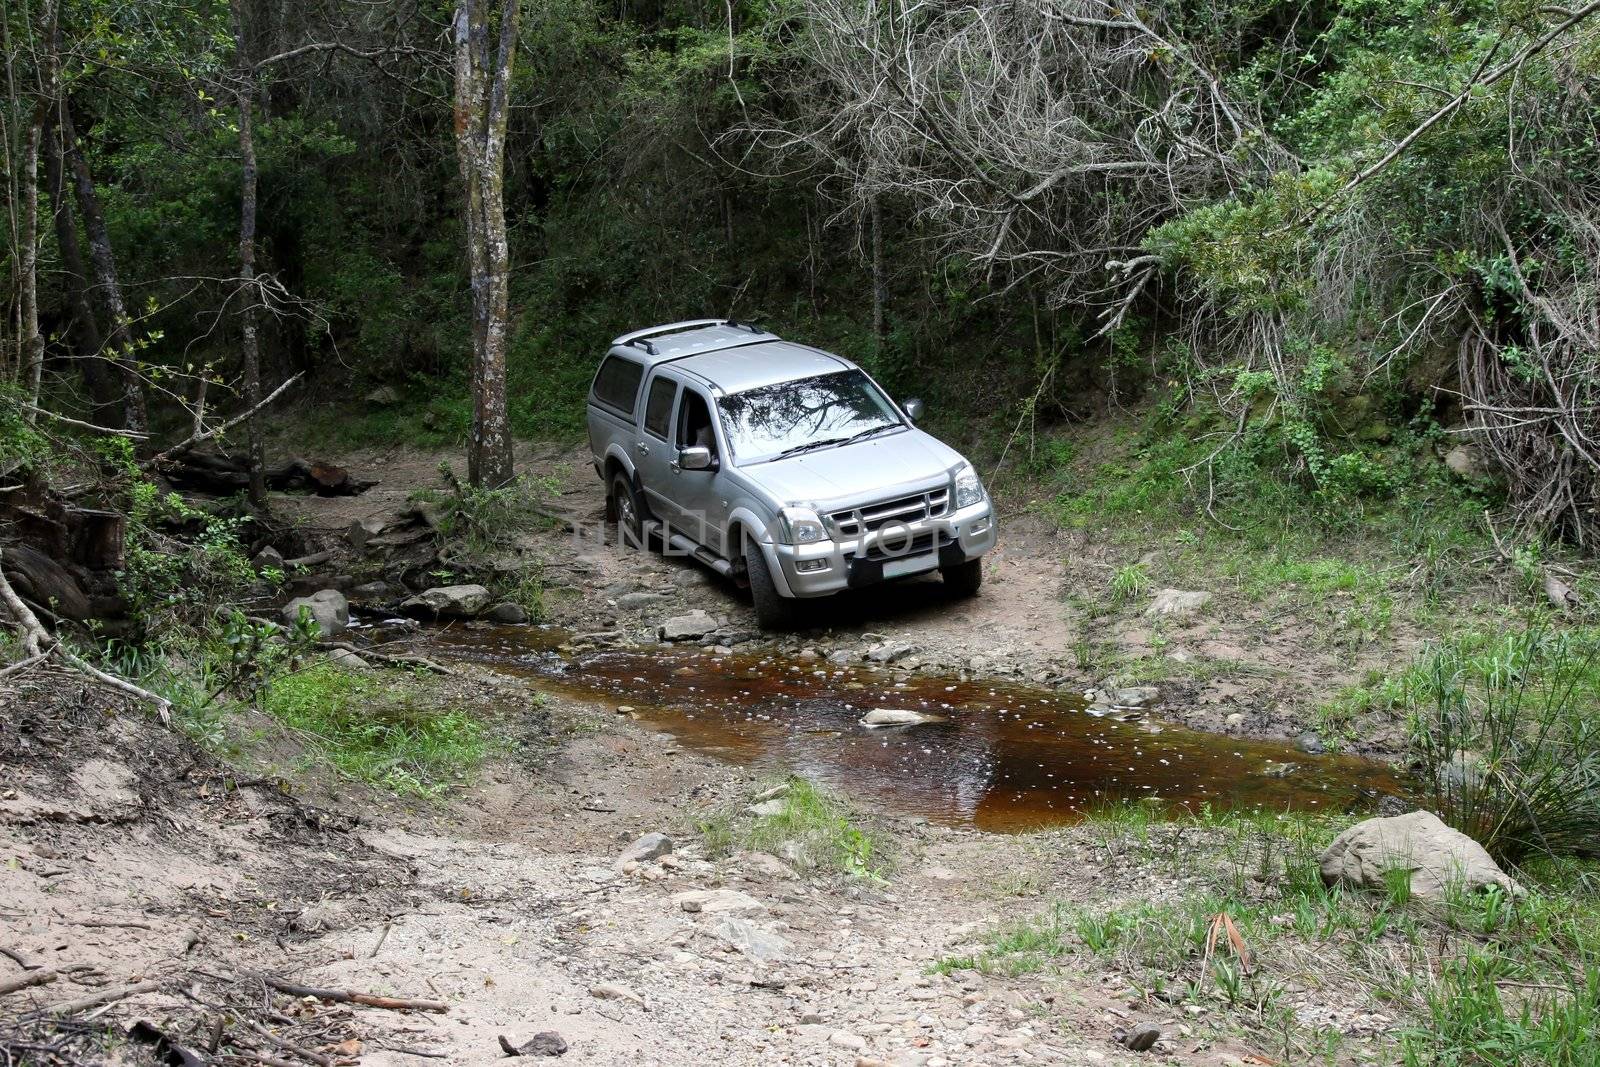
{"x": 134, "y": 854}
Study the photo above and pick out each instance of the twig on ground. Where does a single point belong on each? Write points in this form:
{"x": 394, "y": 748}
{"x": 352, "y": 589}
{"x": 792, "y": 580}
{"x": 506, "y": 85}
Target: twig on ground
{"x": 25, "y": 981}
{"x": 344, "y": 996}
{"x": 106, "y": 996}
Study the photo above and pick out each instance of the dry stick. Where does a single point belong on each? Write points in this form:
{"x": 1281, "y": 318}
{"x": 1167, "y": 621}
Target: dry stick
{"x": 390, "y": 657}
{"x": 19, "y": 959}
{"x": 201, "y": 438}
{"x": 56, "y": 416}
{"x": 36, "y": 978}
{"x": 108, "y": 996}
{"x": 289, "y": 1046}
{"x": 22, "y": 664}
{"x": 307, "y": 561}
{"x": 342, "y": 996}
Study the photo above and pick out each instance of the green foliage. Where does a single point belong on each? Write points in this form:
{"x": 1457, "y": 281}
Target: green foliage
{"x": 1506, "y": 729}
{"x": 395, "y": 734}
{"x": 1129, "y": 583}
{"x": 814, "y": 830}
{"x": 22, "y": 446}
{"x": 181, "y": 564}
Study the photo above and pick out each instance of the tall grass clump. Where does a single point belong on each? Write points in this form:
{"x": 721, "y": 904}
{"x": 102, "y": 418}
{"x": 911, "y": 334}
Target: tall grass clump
{"x": 1507, "y": 733}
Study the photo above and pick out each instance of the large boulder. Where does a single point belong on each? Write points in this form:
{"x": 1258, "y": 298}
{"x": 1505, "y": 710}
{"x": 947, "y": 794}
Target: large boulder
{"x": 327, "y": 606}
{"x": 449, "y": 601}
{"x": 690, "y": 627}
{"x": 1437, "y": 857}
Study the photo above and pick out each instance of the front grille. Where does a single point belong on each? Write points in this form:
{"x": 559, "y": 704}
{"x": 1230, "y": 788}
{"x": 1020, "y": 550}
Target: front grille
{"x": 899, "y": 548}
{"x": 906, "y": 509}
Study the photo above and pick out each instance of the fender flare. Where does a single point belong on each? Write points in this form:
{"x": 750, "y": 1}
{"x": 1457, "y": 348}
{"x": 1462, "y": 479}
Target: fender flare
{"x": 745, "y": 518}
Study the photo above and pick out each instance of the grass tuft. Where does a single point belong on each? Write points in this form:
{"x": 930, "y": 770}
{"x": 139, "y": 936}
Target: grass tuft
{"x": 812, "y": 831}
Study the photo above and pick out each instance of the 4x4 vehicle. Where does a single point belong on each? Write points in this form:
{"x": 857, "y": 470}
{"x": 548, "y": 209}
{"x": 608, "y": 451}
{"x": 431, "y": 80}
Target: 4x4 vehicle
{"x": 782, "y": 466}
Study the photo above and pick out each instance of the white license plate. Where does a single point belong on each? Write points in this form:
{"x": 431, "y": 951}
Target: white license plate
{"x": 899, "y": 568}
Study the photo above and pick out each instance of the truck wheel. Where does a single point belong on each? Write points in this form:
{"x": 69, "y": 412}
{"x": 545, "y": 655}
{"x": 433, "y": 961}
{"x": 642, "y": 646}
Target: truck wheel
{"x": 964, "y": 578}
{"x": 624, "y": 508}
{"x": 773, "y": 611}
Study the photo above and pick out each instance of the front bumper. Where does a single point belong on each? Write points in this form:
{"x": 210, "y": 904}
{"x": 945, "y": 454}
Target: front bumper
{"x": 826, "y": 567}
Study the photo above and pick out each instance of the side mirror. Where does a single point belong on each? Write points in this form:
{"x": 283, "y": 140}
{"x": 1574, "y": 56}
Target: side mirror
{"x": 694, "y": 459}
{"x": 914, "y": 409}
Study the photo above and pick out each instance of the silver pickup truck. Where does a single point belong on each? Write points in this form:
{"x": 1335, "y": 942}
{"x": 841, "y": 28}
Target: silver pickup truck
{"x": 779, "y": 465}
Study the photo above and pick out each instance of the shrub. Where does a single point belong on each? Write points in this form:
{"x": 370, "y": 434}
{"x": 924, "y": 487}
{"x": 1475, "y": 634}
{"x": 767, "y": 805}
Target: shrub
{"x": 1507, "y": 734}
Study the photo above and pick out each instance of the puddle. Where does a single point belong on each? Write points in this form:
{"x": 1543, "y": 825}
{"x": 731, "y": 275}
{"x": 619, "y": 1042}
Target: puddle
{"x": 1007, "y": 757}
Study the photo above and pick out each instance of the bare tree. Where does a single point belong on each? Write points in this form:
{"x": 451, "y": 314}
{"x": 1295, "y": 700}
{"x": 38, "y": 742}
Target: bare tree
{"x": 483, "y": 69}
{"x": 250, "y": 348}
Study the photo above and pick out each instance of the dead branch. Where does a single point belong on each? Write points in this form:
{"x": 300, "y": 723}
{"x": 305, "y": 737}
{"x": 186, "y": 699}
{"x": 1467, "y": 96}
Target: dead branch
{"x": 194, "y": 439}
{"x": 58, "y": 417}
{"x": 27, "y": 980}
{"x": 394, "y": 658}
{"x": 105, "y": 996}
{"x": 343, "y": 996}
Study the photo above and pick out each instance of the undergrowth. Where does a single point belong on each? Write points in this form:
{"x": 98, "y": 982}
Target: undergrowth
{"x": 1232, "y": 916}
{"x": 811, "y": 830}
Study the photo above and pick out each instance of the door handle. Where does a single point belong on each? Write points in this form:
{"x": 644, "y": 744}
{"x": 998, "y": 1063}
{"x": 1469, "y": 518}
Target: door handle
{"x": 644, "y": 449}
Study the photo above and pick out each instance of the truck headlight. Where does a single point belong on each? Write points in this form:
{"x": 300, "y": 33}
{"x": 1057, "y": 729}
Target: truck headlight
{"x": 968, "y": 489}
{"x": 801, "y": 526}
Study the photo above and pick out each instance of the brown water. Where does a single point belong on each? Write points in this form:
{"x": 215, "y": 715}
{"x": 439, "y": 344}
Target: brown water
{"x": 1008, "y": 757}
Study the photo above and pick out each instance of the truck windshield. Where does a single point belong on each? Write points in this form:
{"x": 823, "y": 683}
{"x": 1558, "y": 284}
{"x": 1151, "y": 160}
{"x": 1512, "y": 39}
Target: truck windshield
{"x": 808, "y": 413}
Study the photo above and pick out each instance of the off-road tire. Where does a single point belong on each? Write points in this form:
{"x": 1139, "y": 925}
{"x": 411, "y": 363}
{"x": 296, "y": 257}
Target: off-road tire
{"x": 773, "y": 611}
{"x": 624, "y": 508}
{"x": 964, "y": 579}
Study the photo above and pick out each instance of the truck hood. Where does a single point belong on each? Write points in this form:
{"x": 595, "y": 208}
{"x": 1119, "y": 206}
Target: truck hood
{"x": 873, "y": 469}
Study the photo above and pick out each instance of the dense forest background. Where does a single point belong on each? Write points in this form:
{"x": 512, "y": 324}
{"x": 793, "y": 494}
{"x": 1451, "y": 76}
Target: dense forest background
{"x": 1312, "y": 238}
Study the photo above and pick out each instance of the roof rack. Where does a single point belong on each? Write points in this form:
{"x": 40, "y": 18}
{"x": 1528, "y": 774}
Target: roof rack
{"x": 640, "y": 342}
{"x": 752, "y": 327}
{"x": 671, "y": 327}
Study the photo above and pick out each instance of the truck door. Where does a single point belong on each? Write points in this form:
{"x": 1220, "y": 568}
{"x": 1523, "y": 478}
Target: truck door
{"x": 701, "y": 494}
{"x": 653, "y": 454}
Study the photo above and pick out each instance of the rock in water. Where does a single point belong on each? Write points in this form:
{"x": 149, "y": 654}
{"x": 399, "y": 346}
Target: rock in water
{"x": 651, "y": 846}
{"x": 327, "y": 606}
{"x": 1177, "y": 602}
{"x": 690, "y": 627}
{"x": 1437, "y": 857}
{"x": 507, "y": 612}
{"x": 1142, "y": 1038}
{"x": 449, "y": 601}
{"x": 878, "y": 717}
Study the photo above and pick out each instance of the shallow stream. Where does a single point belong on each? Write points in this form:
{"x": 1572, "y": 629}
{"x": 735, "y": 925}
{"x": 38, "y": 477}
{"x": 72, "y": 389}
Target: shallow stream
{"x": 1006, "y": 757}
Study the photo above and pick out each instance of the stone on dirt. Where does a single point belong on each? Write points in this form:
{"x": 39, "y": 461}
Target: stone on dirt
{"x": 327, "y": 606}
{"x": 343, "y": 657}
{"x": 507, "y": 612}
{"x": 766, "y": 808}
{"x": 879, "y": 717}
{"x": 1177, "y": 602}
{"x": 1437, "y": 856}
{"x": 758, "y": 943}
{"x": 1142, "y": 1038}
{"x": 449, "y": 601}
{"x": 615, "y": 991}
{"x": 267, "y": 558}
{"x": 1139, "y": 696}
{"x": 544, "y": 1043}
{"x": 845, "y": 1039}
{"x": 717, "y": 901}
{"x": 640, "y": 600}
{"x": 690, "y": 627}
{"x": 651, "y": 846}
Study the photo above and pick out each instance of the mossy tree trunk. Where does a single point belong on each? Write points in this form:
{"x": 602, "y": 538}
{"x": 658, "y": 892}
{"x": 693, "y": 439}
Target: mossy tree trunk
{"x": 483, "y": 69}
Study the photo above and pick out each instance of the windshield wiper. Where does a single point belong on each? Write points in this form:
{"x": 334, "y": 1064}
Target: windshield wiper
{"x": 810, "y": 445}
{"x": 871, "y": 431}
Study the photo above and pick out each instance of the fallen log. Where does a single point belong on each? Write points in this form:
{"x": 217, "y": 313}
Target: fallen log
{"x": 347, "y": 996}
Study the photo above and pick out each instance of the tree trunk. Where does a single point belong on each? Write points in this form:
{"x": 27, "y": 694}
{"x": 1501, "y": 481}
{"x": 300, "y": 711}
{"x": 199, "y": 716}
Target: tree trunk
{"x": 108, "y": 291}
{"x": 85, "y": 331}
{"x": 880, "y": 286}
{"x": 32, "y": 342}
{"x": 250, "y": 344}
{"x": 482, "y": 89}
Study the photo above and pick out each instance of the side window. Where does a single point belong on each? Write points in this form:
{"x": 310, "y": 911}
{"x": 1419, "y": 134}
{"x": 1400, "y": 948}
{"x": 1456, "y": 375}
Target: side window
{"x": 617, "y": 384}
{"x": 694, "y": 423}
{"x": 658, "y": 408}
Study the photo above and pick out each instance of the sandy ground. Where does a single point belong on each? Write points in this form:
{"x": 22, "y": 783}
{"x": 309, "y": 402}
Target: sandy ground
{"x": 131, "y": 856}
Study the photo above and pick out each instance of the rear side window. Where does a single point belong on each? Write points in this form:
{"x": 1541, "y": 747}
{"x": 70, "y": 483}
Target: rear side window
{"x": 658, "y": 408}
{"x": 617, "y": 384}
